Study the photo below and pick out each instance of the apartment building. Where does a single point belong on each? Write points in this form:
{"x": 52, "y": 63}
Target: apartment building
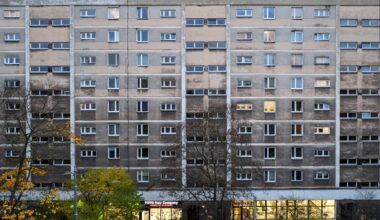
{"x": 299, "y": 81}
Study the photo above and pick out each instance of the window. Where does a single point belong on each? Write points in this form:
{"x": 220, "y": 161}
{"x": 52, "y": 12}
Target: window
{"x": 217, "y": 68}
{"x": 269, "y": 130}
{"x": 60, "y": 22}
{"x": 168, "y": 60}
{"x": 244, "y": 60}
{"x": 321, "y": 13}
{"x": 297, "y": 60}
{"x": 195, "y": 45}
{"x": 195, "y": 69}
{"x": 113, "y": 83}
{"x": 243, "y": 175}
{"x": 370, "y": 45}
{"x": 297, "y": 83}
{"x": 348, "y": 115}
{"x": 168, "y": 130}
{"x": 12, "y": 37}
{"x": 61, "y": 46}
{"x": 322, "y": 60}
{"x": 269, "y": 59}
{"x": 321, "y": 175}
{"x": 269, "y": 36}
{"x": 217, "y": 45}
{"x": 60, "y": 162}
{"x": 39, "y": 69}
{"x": 113, "y": 130}
{"x": 113, "y": 13}
{"x": 87, "y": 106}
{"x": 244, "y": 36}
{"x": 88, "y": 153}
{"x": 244, "y": 153}
{"x": 168, "y": 36}
{"x": 88, "y": 60}
{"x": 168, "y": 107}
{"x": 370, "y": 22}
{"x": 39, "y": 45}
{"x": 269, "y": 83}
{"x": 11, "y": 14}
{"x": 269, "y": 153}
{"x": 269, "y": 13}
{"x": 113, "y": 36}
{"x": 243, "y": 107}
{"x": 142, "y": 176}
{"x": 12, "y": 83}
{"x": 168, "y": 83}
{"x": 369, "y": 115}
{"x": 87, "y": 130}
{"x": 113, "y": 153}
{"x": 142, "y": 13}
{"x": 39, "y": 22}
{"x": 11, "y": 60}
{"x": 87, "y": 35}
{"x": 142, "y": 59}
{"x": 321, "y": 36}
{"x": 296, "y": 36}
{"x": 297, "y": 106}
{"x": 60, "y": 69}
{"x": 348, "y": 69}
{"x": 321, "y": 130}
{"x": 348, "y": 22}
{"x": 87, "y": 13}
{"x": 168, "y": 13}
{"x": 142, "y": 83}
{"x": 195, "y": 22}
{"x": 270, "y": 176}
{"x": 12, "y": 106}
{"x": 297, "y": 175}
{"x": 12, "y": 153}
{"x": 113, "y": 59}
{"x": 244, "y": 83}
{"x": 142, "y": 153}
{"x": 297, "y": 153}
{"x": 142, "y": 130}
{"x": 269, "y": 106}
{"x": 370, "y": 69}
{"x": 348, "y": 45}
{"x": 244, "y": 13}
{"x": 142, "y": 106}
{"x": 297, "y": 13}
{"x": 245, "y": 129}
{"x": 297, "y": 130}
{"x": 216, "y": 22}
{"x": 195, "y": 92}
{"x": 321, "y": 153}
{"x": 322, "y": 83}
{"x": 168, "y": 153}
{"x": 348, "y": 138}
{"x": 216, "y": 92}
{"x": 321, "y": 107}
{"x": 168, "y": 176}
{"x": 12, "y": 130}
{"x": 142, "y": 36}
{"x": 113, "y": 106}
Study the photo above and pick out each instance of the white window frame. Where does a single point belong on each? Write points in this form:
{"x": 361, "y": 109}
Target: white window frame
{"x": 88, "y": 153}
{"x": 113, "y": 130}
{"x": 322, "y": 175}
{"x": 244, "y": 60}
{"x": 267, "y": 83}
{"x": 12, "y": 37}
{"x": 325, "y": 107}
{"x": 113, "y": 106}
{"x": 116, "y": 56}
{"x": 140, "y": 153}
{"x": 140, "y": 106}
{"x": 140, "y": 36}
{"x": 11, "y": 60}
{"x": 168, "y": 153}
{"x": 322, "y": 36}
{"x": 321, "y": 153}
{"x": 321, "y": 13}
{"x": 141, "y": 81}
{"x": 244, "y": 13}
{"x": 294, "y": 130}
{"x": 322, "y": 60}
{"x": 268, "y": 110}
{"x": 244, "y": 153}
{"x": 296, "y": 13}
{"x": 296, "y": 37}
{"x": 321, "y": 130}
{"x": 88, "y": 35}
{"x": 295, "y": 106}
{"x": 269, "y": 36}
{"x": 244, "y": 83}
{"x": 116, "y": 152}
{"x": 270, "y": 59}
{"x": 168, "y": 130}
{"x": 11, "y": 14}
{"x": 322, "y": 83}
{"x": 170, "y": 83}
{"x": 245, "y": 129}
{"x": 88, "y": 60}
{"x": 113, "y": 13}
{"x": 140, "y": 130}
{"x": 168, "y": 13}
{"x": 295, "y": 174}
{"x": 12, "y": 130}
{"x": 168, "y": 107}
{"x": 87, "y": 130}
{"x": 268, "y": 174}
{"x": 88, "y": 106}
{"x": 267, "y": 154}
{"x": 266, "y": 13}
{"x": 87, "y": 13}
{"x": 168, "y": 60}
{"x": 142, "y": 59}
{"x": 168, "y": 36}
{"x": 267, "y": 129}
{"x": 243, "y": 176}
{"x": 142, "y": 176}
{"x": 297, "y": 83}
{"x": 244, "y": 36}
{"x": 294, "y": 153}
{"x": 115, "y": 38}
{"x": 142, "y": 13}
{"x": 116, "y": 82}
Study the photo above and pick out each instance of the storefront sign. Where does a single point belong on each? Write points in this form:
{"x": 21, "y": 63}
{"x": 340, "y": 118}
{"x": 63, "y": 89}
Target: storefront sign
{"x": 160, "y": 203}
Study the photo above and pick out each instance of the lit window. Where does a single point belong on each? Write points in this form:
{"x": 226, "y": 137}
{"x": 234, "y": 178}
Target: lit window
{"x": 168, "y": 13}
{"x": 269, "y": 130}
{"x": 297, "y": 130}
{"x": 269, "y": 83}
{"x": 142, "y": 13}
{"x": 142, "y": 106}
{"x": 270, "y": 176}
{"x": 142, "y": 83}
{"x": 322, "y": 83}
{"x": 113, "y": 13}
{"x": 297, "y": 153}
{"x": 269, "y": 13}
{"x": 143, "y": 176}
{"x": 297, "y": 106}
{"x": 12, "y": 14}
{"x": 113, "y": 59}
{"x": 142, "y": 130}
{"x": 113, "y": 130}
{"x": 142, "y": 153}
{"x": 270, "y": 59}
{"x": 269, "y": 106}
{"x": 297, "y": 13}
{"x": 113, "y": 83}
{"x": 321, "y": 130}
{"x": 269, "y": 36}
{"x": 87, "y": 13}
{"x": 113, "y": 36}
{"x": 296, "y": 36}
{"x": 297, "y": 175}
{"x": 142, "y": 36}
{"x": 244, "y": 13}
{"x": 269, "y": 153}
{"x": 297, "y": 83}
{"x": 244, "y": 107}
{"x": 142, "y": 59}
{"x": 113, "y": 106}
{"x": 113, "y": 153}
{"x": 244, "y": 36}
